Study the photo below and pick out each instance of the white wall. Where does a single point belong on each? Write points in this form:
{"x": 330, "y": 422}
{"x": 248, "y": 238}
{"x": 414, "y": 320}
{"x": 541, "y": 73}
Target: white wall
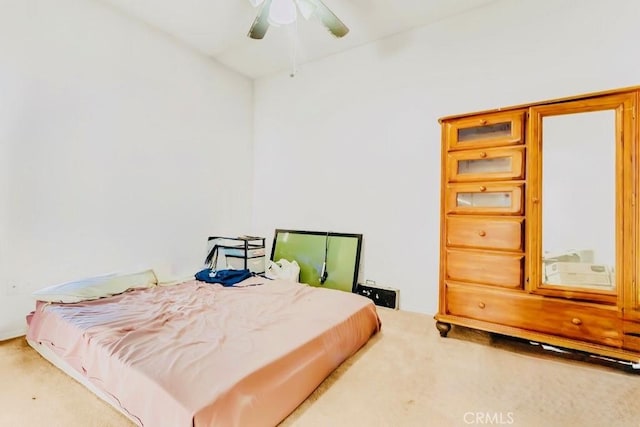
{"x": 352, "y": 142}
{"x": 119, "y": 149}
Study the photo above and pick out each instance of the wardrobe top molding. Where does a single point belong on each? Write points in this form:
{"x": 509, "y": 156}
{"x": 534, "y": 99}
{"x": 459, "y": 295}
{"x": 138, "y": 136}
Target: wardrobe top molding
{"x": 538, "y": 103}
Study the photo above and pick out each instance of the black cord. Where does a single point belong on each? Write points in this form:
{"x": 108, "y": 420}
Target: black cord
{"x": 324, "y": 274}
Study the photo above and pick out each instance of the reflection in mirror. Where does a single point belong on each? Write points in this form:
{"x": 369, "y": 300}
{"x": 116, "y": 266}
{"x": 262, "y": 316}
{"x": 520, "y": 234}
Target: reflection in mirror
{"x": 578, "y": 200}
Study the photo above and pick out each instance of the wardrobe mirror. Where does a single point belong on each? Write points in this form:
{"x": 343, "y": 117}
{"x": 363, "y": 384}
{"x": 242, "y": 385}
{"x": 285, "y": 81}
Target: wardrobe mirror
{"x": 579, "y": 200}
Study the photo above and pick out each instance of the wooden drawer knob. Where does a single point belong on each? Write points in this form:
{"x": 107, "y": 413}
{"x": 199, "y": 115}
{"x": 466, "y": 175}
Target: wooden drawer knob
{"x": 576, "y": 321}
{"x": 483, "y": 188}
{"x": 481, "y": 305}
{"x": 483, "y": 122}
{"x": 482, "y": 233}
{"x": 483, "y": 155}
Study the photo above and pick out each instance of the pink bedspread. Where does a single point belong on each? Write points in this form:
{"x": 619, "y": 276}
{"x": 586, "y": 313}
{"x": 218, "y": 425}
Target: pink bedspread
{"x": 200, "y": 354}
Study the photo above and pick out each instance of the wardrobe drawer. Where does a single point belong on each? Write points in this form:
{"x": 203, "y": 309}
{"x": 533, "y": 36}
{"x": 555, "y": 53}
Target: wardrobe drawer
{"x": 488, "y": 164}
{"x": 631, "y": 336}
{"x": 479, "y": 304}
{"x": 541, "y": 314}
{"x": 504, "y": 270}
{"x": 489, "y": 233}
{"x": 487, "y": 130}
{"x": 485, "y": 198}
{"x": 579, "y": 321}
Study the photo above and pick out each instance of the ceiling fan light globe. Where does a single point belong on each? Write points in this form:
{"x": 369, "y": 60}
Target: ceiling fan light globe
{"x": 283, "y": 12}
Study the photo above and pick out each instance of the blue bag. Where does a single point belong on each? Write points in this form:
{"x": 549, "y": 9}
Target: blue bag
{"x": 223, "y": 277}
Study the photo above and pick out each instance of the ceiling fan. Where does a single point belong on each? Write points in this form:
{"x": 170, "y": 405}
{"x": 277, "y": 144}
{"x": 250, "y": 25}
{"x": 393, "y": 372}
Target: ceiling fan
{"x": 283, "y": 12}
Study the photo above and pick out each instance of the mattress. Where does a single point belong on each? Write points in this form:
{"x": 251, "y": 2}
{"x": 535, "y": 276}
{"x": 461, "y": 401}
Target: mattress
{"x": 198, "y": 354}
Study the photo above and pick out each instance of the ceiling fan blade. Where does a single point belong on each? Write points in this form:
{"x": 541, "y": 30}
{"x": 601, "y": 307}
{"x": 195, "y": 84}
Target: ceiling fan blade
{"x": 261, "y": 23}
{"x": 330, "y": 20}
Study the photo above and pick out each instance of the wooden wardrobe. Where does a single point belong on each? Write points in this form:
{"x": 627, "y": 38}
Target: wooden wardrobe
{"x": 540, "y": 223}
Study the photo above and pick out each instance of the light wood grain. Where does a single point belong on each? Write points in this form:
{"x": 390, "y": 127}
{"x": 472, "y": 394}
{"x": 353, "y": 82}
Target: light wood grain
{"x": 514, "y": 192}
{"x": 485, "y": 233}
{"x": 514, "y": 118}
{"x": 483, "y": 267}
{"x": 491, "y": 256}
{"x": 514, "y": 154}
{"x": 575, "y": 320}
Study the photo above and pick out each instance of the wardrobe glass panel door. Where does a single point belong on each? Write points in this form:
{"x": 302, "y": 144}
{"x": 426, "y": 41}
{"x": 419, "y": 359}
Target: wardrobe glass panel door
{"x": 579, "y": 200}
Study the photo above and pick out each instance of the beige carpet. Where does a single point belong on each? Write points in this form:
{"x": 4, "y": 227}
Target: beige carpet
{"x": 405, "y": 376}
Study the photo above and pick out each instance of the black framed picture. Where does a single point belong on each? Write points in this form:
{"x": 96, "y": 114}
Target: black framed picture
{"x": 326, "y": 259}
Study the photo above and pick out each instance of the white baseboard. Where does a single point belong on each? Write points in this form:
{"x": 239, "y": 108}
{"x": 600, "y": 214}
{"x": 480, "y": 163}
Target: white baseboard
{"x": 12, "y": 333}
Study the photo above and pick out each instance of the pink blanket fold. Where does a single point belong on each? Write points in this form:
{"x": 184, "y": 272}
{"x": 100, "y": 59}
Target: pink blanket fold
{"x": 201, "y": 354}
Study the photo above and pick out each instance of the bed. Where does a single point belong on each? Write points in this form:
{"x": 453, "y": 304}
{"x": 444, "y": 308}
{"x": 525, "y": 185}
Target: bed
{"x": 200, "y": 354}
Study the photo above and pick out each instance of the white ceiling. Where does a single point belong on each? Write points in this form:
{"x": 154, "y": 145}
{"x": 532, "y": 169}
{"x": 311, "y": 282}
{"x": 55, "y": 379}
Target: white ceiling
{"x": 218, "y": 28}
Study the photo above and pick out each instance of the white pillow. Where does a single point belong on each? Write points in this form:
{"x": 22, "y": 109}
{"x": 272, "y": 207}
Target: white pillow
{"x": 96, "y": 287}
{"x": 174, "y": 280}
